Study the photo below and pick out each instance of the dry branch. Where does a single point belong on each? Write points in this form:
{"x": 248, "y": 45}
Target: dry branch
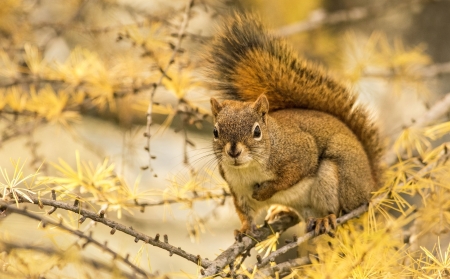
{"x": 89, "y": 239}
{"x": 119, "y": 227}
{"x": 438, "y": 110}
{"x": 341, "y": 220}
{"x": 427, "y": 72}
{"x": 52, "y": 251}
{"x": 245, "y": 243}
{"x": 320, "y": 17}
{"x": 202, "y": 197}
{"x": 176, "y": 49}
{"x": 283, "y": 268}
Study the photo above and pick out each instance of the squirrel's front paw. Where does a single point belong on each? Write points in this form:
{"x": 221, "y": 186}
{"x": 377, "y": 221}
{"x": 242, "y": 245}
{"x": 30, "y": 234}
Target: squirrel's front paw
{"x": 263, "y": 191}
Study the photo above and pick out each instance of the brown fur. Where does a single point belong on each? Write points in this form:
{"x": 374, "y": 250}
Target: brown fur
{"x": 315, "y": 139}
{"x": 245, "y": 60}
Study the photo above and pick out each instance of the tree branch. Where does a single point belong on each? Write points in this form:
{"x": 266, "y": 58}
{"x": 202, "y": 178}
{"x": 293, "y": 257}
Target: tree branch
{"x": 89, "y": 239}
{"x": 176, "y": 49}
{"x": 203, "y": 197}
{"x": 438, "y": 110}
{"x": 51, "y": 251}
{"x": 429, "y": 71}
{"x": 341, "y": 220}
{"x": 320, "y": 17}
{"x": 284, "y": 268}
{"x": 245, "y": 243}
{"x": 119, "y": 227}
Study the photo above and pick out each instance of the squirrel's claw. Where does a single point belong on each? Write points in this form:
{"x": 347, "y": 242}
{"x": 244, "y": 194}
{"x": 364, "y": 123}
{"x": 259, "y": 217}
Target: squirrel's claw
{"x": 320, "y": 226}
{"x": 250, "y": 230}
{"x": 276, "y": 212}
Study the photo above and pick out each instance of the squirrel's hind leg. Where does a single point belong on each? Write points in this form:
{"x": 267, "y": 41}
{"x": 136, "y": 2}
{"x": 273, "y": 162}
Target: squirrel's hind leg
{"x": 324, "y": 199}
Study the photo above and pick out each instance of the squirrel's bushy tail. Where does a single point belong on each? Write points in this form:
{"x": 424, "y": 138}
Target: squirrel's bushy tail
{"x": 245, "y": 60}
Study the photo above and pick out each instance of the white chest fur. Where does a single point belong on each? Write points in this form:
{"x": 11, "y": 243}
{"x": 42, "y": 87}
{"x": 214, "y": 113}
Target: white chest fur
{"x": 242, "y": 180}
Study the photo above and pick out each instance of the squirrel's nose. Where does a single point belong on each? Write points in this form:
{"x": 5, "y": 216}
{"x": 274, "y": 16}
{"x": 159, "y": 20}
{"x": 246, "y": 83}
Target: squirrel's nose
{"x": 234, "y": 152}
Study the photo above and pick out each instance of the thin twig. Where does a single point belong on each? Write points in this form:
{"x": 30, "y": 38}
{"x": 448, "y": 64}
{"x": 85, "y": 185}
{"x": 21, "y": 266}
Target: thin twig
{"x": 89, "y": 239}
{"x": 118, "y": 227}
{"x": 62, "y": 254}
{"x": 320, "y": 17}
{"x": 438, "y": 110}
{"x": 204, "y": 197}
{"x": 245, "y": 243}
{"x": 341, "y": 220}
{"x": 429, "y": 71}
{"x": 176, "y": 49}
{"x": 283, "y": 268}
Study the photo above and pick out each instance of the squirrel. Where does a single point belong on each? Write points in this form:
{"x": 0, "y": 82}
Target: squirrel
{"x": 287, "y": 135}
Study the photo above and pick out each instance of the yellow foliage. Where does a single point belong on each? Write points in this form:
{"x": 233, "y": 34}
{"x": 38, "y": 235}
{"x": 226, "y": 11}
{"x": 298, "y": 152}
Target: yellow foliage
{"x": 99, "y": 185}
{"x": 433, "y": 263}
{"x": 26, "y": 263}
{"x": 18, "y": 184}
{"x": 16, "y": 99}
{"x": 356, "y": 252}
{"x": 52, "y": 106}
{"x": 269, "y": 245}
{"x": 8, "y": 67}
{"x": 34, "y": 60}
{"x": 84, "y": 67}
{"x": 377, "y": 58}
{"x": 420, "y": 139}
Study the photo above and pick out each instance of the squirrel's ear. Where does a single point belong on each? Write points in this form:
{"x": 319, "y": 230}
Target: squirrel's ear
{"x": 261, "y": 105}
{"x": 216, "y": 107}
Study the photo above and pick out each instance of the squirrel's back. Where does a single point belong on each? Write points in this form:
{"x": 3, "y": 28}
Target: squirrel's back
{"x": 245, "y": 60}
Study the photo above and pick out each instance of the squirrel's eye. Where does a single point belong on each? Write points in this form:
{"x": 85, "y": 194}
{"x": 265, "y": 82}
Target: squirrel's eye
{"x": 257, "y": 132}
{"x": 216, "y": 133}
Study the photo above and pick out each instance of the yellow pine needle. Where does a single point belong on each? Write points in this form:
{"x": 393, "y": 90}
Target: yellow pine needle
{"x": 377, "y": 53}
{"x": 85, "y": 66}
{"x": 434, "y": 154}
{"x": 52, "y": 106}
{"x": 34, "y": 59}
{"x": 140, "y": 253}
{"x": 269, "y": 245}
{"x": 437, "y": 261}
{"x": 8, "y": 68}
{"x": 437, "y": 131}
{"x": 412, "y": 139}
{"x": 96, "y": 180}
{"x": 180, "y": 82}
{"x": 360, "y": 253}
{"x": 3, "y": 101}
{"x": 16, "y": 99}
{"x": 11, "y": 185}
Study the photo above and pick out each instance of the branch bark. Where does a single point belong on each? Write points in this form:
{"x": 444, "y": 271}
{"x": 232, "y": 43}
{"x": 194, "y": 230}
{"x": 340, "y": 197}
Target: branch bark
{"x": 246, "y": 243}
{"x": 89, "y": 239}
{"x": 119, "y": 227}
{"x": 341, "y": 220}
{"x": 53, "y": 250}
{"x": 284, "y": 268}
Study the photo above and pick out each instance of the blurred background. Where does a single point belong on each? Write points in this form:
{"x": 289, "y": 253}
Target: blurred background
{"x": 79, "y": 77}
